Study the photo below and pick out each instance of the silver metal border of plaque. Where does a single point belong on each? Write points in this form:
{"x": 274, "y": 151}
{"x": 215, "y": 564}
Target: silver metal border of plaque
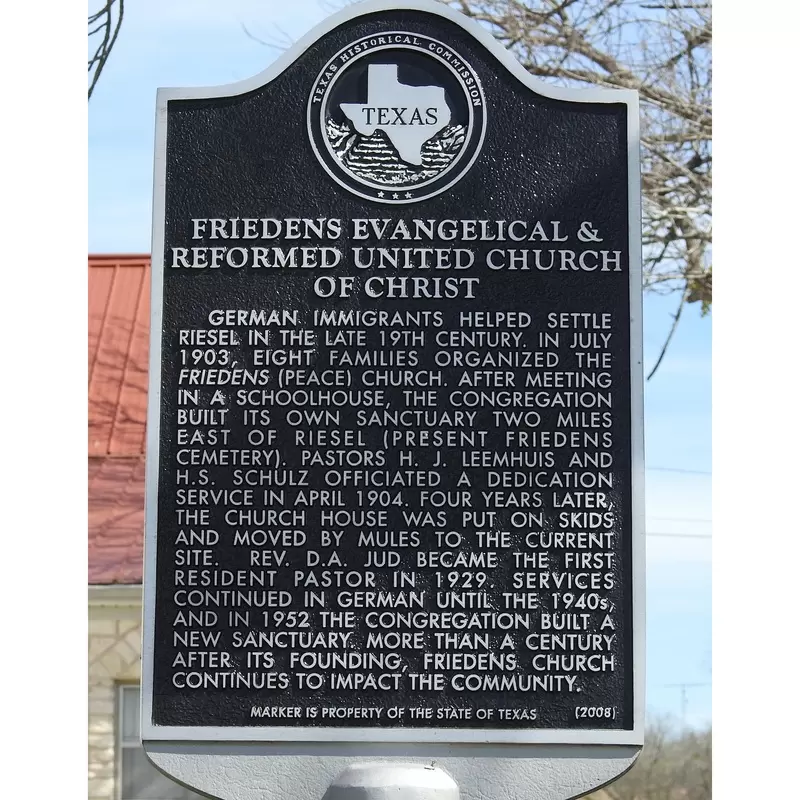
{"x": 277, "y": 735}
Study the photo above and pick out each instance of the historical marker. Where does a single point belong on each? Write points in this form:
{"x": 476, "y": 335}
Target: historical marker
{"x": 395, "y": 434}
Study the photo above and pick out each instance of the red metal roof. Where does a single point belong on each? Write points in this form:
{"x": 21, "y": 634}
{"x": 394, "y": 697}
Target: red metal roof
{"x": 119, "y": 326}
{"x": 116, "y": 520}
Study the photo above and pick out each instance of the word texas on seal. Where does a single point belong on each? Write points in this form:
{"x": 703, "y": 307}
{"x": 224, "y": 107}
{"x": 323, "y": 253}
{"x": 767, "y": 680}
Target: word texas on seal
{"x": 397, "y": 118}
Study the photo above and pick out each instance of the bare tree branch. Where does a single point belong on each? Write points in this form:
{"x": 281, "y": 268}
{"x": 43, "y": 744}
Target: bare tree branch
{"x": 107, "y": 22}
{"x": 280, "y": 42}
{"x": 674, "y": 765}
{"x": 675, "y": 319}
{"x": 662, "y": 50}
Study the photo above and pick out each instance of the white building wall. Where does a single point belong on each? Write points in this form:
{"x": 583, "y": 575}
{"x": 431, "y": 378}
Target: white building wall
{"x": 114, "y": 657}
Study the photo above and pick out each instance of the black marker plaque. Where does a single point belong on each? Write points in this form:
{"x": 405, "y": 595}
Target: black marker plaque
{"x": 391, "y": 479}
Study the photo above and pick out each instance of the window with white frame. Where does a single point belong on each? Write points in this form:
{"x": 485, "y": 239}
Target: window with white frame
{"x": 138, "y": 778}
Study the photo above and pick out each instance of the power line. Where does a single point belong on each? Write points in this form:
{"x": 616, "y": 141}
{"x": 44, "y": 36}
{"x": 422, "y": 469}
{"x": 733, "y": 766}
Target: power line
{"x": 680, "y": 535}
{"x": 678, "y": 469}
{"x": 681, "y": 519}
{"x": 682, "y": 685}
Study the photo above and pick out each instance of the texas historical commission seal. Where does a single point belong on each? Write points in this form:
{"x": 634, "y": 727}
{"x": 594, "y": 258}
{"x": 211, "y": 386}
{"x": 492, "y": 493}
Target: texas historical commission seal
{"x": 397, "y": 117}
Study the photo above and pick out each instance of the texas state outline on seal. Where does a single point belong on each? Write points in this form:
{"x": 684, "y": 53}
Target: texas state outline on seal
{"x": 408, "y": 115}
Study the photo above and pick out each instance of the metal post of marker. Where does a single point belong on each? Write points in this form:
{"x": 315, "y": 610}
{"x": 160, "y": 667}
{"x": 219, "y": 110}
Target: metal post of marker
{"x": 392, "y": 781}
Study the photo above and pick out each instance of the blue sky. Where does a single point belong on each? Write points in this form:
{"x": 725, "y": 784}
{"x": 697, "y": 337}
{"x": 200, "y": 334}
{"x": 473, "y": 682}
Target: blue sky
{"x": 202, "y": 43}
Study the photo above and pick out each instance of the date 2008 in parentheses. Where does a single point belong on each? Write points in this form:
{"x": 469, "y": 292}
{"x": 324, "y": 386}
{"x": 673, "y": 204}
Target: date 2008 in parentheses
{"x": 596, "y": 712}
